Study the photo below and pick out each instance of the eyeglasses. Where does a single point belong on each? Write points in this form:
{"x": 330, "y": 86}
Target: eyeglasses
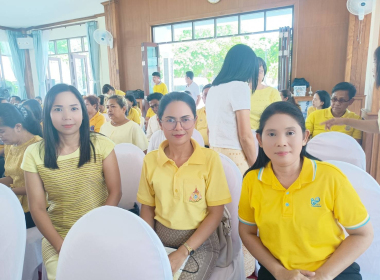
{"x": 170, "y": 124}
{"x": 154, "y": 106}
{"x": 340, "y": 101}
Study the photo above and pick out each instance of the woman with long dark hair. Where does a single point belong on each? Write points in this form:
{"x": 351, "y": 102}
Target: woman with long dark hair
{"x": 75, "y": 168}
{"x": 371, "y": 126}
{"x": 321, "y": 100}
{"x": 18, "y": 130}
{"x": 298, "y": 205}
{"x": 228, "y": 107}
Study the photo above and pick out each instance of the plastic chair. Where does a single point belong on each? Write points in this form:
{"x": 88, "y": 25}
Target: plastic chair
{"x": 158, "y": 137}
{"x": 12, "y": 235}
{"x": 130, "y": 159}
{"x": 33, "y": 254}
{"x": 369, "y": 193}
{"x": 235, "y": 271}
{"x": 337, "y": 146}
{"x": 112, "y": 243}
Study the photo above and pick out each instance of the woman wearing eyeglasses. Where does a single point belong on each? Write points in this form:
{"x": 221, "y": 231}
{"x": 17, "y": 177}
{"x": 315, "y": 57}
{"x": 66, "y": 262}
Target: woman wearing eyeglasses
{"x": 371, "y": 126}
{"x": 120, "y": 129}
{"x": 183, "y": 190}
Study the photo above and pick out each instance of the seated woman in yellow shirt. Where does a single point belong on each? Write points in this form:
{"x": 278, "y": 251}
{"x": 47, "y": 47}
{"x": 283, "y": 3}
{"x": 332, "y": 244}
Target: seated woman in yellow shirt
{"x": 18, "y": 130}
{"x": 96, "y": 118}
{"x": 120, "y": 129}
{"x": 298, "y": 204}
{"x": 132, "y": 103}
{"x": 183, "y": 190}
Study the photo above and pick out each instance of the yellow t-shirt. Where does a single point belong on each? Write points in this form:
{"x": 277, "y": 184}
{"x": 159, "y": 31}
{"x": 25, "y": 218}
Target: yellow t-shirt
{"x": 201, "y": 124}
{"x": 150, "y": 113}
{"x": 129, "y": 132}
{"x": 160, "y": 88}
{"x": 181, "y": 195}
{"x": 119, "y": 92}
{"x": 71, "y": 191}
{"x": 314, "y": 120}
{"x": 310, "y": 110}
{"x": 134, "y": 116}
{"x": 13, "y": 158}
{"x": 138, "y": 110}
{"x": 261, "y": 99}
{"x": 96, "y": 122}
{"x": 299, "y": 225}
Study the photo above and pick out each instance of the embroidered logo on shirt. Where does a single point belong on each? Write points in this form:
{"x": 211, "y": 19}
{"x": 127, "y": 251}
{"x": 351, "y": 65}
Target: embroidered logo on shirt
{"x": 92, "y": 128}
{"x": 315, "y": 202}
{"x": 348, "y": 127}
{"x": 195, "y": 196}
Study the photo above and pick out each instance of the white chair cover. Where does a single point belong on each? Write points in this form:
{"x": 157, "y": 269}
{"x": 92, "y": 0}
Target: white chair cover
{"x": 112, "y": 243}
{"x": 130, "y": 159}
{"x": 33, "y": 254}
{"x": 337, "y": 146}
{"x": 12, "y": 235}
{"x": 158, "y": 137}
{"x": 235, "y": 271}
{"x": 369, "y": 192}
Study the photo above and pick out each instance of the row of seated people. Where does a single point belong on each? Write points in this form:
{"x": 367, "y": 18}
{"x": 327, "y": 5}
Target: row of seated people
{"x": 300, "y": 237}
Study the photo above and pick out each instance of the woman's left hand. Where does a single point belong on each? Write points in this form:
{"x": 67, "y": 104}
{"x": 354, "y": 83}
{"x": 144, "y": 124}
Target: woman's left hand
{"x": 320, "y": 276}
{"x": 177, "y": 258}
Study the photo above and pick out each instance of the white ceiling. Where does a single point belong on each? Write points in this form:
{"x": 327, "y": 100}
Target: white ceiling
{"x": 27, "y": 13}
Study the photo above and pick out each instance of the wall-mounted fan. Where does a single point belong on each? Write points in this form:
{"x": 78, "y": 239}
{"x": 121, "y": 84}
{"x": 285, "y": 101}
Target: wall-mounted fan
{"x": 103, "y": 37}
{"x": 360, "y": 8}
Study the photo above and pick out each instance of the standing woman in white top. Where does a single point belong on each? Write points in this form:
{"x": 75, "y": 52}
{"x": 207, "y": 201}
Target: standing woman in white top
{"x": 228, "y": 107}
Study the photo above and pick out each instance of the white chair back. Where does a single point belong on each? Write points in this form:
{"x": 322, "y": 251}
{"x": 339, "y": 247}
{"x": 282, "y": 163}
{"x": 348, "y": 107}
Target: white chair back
{"x": 369, "y": 193}
{"x": 236, "y": 270}
{"x": 337, "y": 146}
{"x": 12, "y": 235}
{"x": 112, "y": 243}
{"x": 130, "y": 159}
{"x": 158, "y": 137}
{"x": 33, "y": 254}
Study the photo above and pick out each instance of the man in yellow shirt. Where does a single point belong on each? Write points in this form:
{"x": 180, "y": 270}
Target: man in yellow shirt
{"x": 110, "y": 90}
{"x": 201, "y": 124}
{"x": 342, "y": 97}
{"x": 159, "y": 86}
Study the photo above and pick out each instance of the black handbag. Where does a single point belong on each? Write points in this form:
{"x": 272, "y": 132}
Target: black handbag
{"x": 138, "y": 93}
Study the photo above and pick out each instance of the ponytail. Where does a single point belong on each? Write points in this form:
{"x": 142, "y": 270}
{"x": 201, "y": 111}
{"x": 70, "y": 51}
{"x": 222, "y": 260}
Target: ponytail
{"x": 10, "y": 115}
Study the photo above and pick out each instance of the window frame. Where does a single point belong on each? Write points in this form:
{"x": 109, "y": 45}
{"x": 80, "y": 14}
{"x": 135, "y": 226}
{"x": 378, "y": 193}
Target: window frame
{"x": 215, "y": 26}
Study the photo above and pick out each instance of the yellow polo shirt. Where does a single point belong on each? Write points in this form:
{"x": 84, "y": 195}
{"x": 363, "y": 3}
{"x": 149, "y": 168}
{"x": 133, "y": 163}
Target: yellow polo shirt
{"x": 119, "y": 92}
{"x": 181, "y": 195}
{"x": 160, "y": 88}
{"x": 299, "y": 225}
{"x": 314, "y": 120}
{"x": 150, "y": 113}
{"x": 310, "y": 110}
{"x": 201, "y": 124}
{"x": 138, "y": 110}
{"x": 96, "y": 122}
{"x": 261, "y": 99}
{"x": 134, "y": 116}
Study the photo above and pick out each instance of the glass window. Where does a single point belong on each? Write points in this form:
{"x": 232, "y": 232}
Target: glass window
{"x": 162, "y": 34}
{"x": 204, "y": 28}
{"x": 10, "y": 79}
{"x": 4, "y": 48}
{"x": 51, "y": 47}
{"x": 85, "y": 44}
{"x": 183, "y": 31}
{"x": 76, "y": 45}
{"x": 227, "y": 26}
{"x": 252, "y": 22}
{"x": 62, "y": 46}
{"x": 279, "y": 18}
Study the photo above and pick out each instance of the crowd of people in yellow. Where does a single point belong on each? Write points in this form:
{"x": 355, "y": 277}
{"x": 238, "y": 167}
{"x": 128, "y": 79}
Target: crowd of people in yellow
{"x": 59, "y": 159}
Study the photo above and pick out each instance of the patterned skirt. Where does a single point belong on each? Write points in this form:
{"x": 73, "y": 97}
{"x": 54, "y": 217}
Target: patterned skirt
{"x": 206, "y": 255}
{"x": 237, "y": 156}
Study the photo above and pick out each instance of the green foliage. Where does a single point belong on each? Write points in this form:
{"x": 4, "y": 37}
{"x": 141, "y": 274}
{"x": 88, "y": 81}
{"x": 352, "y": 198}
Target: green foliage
{"x": 62, "y": 46}
{"x": 205, "y": 57}
{"x": 51, "y": 47}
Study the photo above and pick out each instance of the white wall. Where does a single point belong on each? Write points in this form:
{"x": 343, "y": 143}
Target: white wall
{"x": 373, "y": 44}
{"x": 70, "y": 32}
